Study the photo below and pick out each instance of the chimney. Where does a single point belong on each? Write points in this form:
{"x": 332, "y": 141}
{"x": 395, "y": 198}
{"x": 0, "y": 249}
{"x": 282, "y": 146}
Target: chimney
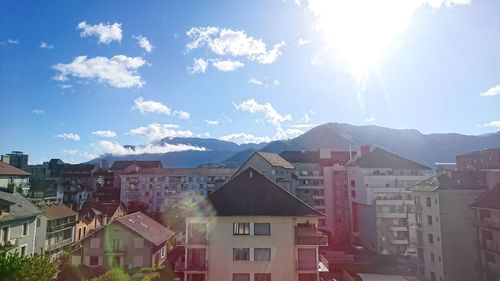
{"x": 364, "y": 149}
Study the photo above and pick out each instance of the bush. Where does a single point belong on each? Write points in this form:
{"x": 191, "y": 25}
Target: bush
{"x": 13, "y": 267}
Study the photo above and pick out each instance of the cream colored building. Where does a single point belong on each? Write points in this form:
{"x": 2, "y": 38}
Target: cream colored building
{"x": 251, "y": 229}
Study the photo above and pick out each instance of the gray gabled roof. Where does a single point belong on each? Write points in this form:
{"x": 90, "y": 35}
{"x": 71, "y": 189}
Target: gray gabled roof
{"x": 275, "y": 160}
{"x": 20, "y": 207}
{"x": 252, "y": 194}
{"x": 380, "y": 158}
{"x": 455, "y": 180}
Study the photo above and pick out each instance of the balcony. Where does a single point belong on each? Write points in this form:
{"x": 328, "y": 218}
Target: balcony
{"x": 310, "y": 235}
{"x": 490, "y": 271}
{"x": 399, "y": 241}
{"x": 59, "y": 227}
{"x": 489, "y": 245}
{"x": 321, "y": 266}
{"x": 59, "y": 244}
{"x": 9, "y": 245}
{"x": 197, "y": 240}
{"x": 488, "y": 224}
{"x": 196, "y": 266}
{"x": 398, "y": 228}
{"x": 392, "y": 215}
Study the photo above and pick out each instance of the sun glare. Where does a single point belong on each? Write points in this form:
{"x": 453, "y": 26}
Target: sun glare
{"x": 360, "y": 30}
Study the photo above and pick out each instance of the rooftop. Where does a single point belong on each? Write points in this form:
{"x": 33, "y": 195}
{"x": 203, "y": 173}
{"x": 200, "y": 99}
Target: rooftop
{"x": 121, "y": 165}
{"x": 380, "y": 158}
{"x": 20, "y": 207}
{"x": 56, "y": 210}
{"x": 275, "y": 160}
{"x": 187, "y": 171}
{"x": 489, "y": 200}
{"x": 92, "y": 208}
{"x": 8, "y": 170}
{"x": 252, "y": 194}
{"x": 146, "y": 227}
{"x": 454, "y": 180}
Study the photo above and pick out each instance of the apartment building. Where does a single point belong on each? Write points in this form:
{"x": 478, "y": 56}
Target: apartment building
{"x": 45, "y": 190}
{"x": 14, "y": 179}
{"x": 18, "y": 224}
{"x": 17, "y": 159}
{"x": 445, "y": 235}
{"x": 320, "y": 180}
{"x": 381, "y": 206}
{"x": 158, "y": 188}
{"x": 479, "y": 160}
{"x": 487, "y": 223}
{"x": 59, "y": 221}
{"x": 253, "y": 229}
{"x": 130, "y": 241}
{"x": 95, "y": 214}
{"x": 273, "y": 166}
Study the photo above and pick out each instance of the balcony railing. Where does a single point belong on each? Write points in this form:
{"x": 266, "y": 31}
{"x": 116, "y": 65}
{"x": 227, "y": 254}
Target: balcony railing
{"x": 196, "y": 266}
{"x": 59, "y": 244}
{"x": 493, "y": 225}
{"x": 320, "y": 266}
{"x": 305, "y": 235}
{"x": 59, "y": 227}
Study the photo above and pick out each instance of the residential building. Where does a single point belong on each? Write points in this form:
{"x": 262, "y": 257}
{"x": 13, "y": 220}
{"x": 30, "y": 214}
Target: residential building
{"x": 45, "y": 191}
{"x": 123, "y": 167}
{"x": 18, "y": 224}
{"x": 13, "y": 179}
{"x": 60, "y": 227}
{"x": 18, "y": 159}
{"x": 158, "y": 188}
{"x": 320, "y": 180}
{"x": 95, "y": 214}
{"x": 273, "y": 166}
{"x": 445, "y": 235}
{"x": 136, "y": 241}
{"x": 381, "y": 206}
{"x": 487, "y": 223}
{"x": 479, "y": 160}
{"x": 253, "y": 229}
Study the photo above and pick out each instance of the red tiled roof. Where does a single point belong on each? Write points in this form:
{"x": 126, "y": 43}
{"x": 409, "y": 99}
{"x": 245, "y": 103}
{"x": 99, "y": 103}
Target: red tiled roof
{"x": 8, "y": 170}
{"x": 146, "y": 227}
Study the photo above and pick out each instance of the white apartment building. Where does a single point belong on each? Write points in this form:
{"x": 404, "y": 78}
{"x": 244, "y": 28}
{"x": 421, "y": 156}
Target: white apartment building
{"x": 381, "y": 206}
{"x": 159, "y": 188}
{"x": 445, "y": 233}
{"x": 252, "y": 229}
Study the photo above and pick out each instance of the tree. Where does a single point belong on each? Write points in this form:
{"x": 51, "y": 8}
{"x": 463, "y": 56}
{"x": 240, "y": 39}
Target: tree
{"x": 113, "y": 274}
{"x": 13, "y": 267}
{"x": 175, "y": 215}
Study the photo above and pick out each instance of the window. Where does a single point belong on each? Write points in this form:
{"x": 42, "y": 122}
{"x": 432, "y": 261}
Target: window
{"x": 433, "y": 276}
{"x": 162, "y": 252}
{"x": 484, "y": 214}
{"x": 116, "y": 244}
{"x": 94, "y": 261}
{"x": 241, "y": 276}
{"x": 262, "y": 254}
{"x": 38, "y": 222}
{"x": 262, "y": 229}
{"x": 428, "y": 202}
{"x": 489, "y": 257}
{"x": 429, "y": 220}
{"x": 23, "y": 250}
{"x": 241, "y": 228}
{"x": 433, "y": 258}
{"x": 262, "y": 277}
{"x": 241, "y": 254}
{"x": 25, "y": 229}
{"x": 431, "y": 238}
{"x": 5, "y": 234}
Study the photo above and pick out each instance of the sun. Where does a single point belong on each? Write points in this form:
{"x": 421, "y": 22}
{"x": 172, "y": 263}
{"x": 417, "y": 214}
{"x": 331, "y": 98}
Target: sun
{"x": 361, "y": 30}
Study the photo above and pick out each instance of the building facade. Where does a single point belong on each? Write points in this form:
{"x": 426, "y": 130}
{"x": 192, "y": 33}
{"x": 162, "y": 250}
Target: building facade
{"x": 13, "y": 179}
{"x": 253, "y": 229}
{"x": 487, "y": 225}
{"x": 445, "y": 234}
{"x": 381, "y": 206}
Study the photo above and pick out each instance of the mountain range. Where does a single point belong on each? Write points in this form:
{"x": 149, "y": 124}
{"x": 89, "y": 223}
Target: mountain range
{"x": 427, "y": 149}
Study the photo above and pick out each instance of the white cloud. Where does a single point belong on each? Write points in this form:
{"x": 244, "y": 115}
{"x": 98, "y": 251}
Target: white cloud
{"x": 236, "y": 43}
{"x": 227, "y": 65}
{"x": 118, "y": 71}
{"x": 182, "y": 114}
{"x": 493, "y": 124}
{"x": 105, "y": 32}
{"x": 156, "y": 131}
{"x": 293, "y": 132}
{"x": 108, "y": 147}
{"x": 493, "y": 91}
{"x": 37, "y": 111}
{"x": 370, "y": 119}
{"x": 76, "y": 156}
{"x": 45, "y": 45}
{"x": 244, "y": 138}
{"x": 144, "y": 43}
{"x": 270, "y": 114}
{"x": 145, "y": 106}
{"x": 276, "y": 82}
{"x": 68, "y": 136}
{"x": 199, "y": 66}
{"x": 255, "y": 81}
{"x": 212, "y": 122}
{"x": 10, "y": 42}
{"x": 303, "y": 41}
{"x": 302, "y": 126}
{"x": 104, "y": 134}
{"x": 65, "y": 86}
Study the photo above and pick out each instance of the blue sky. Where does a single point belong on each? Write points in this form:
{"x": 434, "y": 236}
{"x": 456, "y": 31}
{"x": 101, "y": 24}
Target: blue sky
{"x": 82, "y": 78}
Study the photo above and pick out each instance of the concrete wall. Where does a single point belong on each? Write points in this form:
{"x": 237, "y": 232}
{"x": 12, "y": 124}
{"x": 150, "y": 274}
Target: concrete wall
{"x": 16, "y": 234}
